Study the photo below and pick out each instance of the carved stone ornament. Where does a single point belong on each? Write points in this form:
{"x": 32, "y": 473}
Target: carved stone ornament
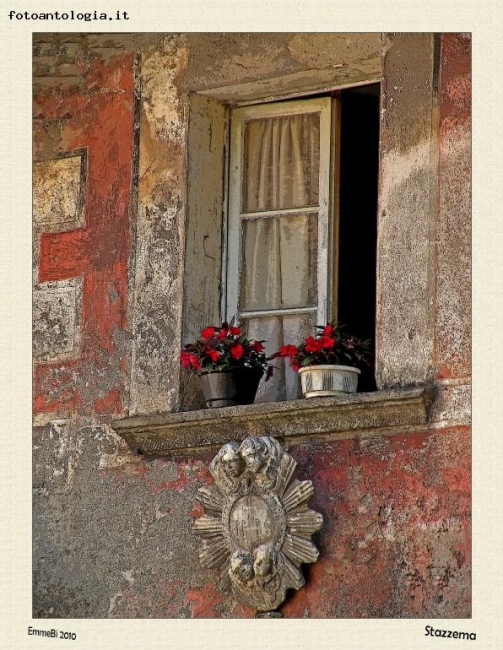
{"x": 257, "y": 527}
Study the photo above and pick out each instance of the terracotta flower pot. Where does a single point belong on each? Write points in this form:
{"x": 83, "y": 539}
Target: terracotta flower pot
{"x": 230, "y": 387}
{"x": 325, "y": 380}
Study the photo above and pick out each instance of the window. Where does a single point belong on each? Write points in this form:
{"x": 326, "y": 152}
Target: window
{"x": 298, "y": 242}
{"x": 279, "y": 260}
{"x": 283, "y": 227}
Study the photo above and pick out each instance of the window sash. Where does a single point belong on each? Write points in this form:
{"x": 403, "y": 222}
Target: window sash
{"x": 236, "y": 215}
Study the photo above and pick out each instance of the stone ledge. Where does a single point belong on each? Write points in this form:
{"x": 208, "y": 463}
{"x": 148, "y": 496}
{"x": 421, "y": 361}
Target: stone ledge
{"x": 334, "y": 417}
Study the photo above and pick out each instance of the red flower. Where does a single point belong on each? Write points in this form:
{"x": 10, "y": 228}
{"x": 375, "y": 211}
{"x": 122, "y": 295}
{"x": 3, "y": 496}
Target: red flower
{"x": 313, "y": 345}
{"x": 185, "y": 359}
{"x": 214, "y": 355}
{"x": 330, "y": 345}
{"x": 287, "y": 351}
{"x": 207, "y": 333}
{"x": 217, "y": 348}
{"x": 189, "y": 360}
{"x": 237, "y": 351}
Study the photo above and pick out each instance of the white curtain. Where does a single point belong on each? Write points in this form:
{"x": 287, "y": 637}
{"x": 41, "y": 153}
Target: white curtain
{"x": 281, "y": 171}
{"x": 281, "y": 162}
{"x": 278, "y": 330}
{"x": 279, "y": 262}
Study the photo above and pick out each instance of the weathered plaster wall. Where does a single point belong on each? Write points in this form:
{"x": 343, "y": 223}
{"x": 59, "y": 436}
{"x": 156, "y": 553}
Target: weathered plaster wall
{"x": 158, "y": 273}
{"x": 407, "y": 194}
{"x": 453, "y": 234}
{"x": 111, "y": 532}
{"x": 395, "y": 543}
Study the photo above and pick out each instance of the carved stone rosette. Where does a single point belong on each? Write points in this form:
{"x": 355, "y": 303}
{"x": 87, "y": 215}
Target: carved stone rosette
{"x": 257, "y": 527}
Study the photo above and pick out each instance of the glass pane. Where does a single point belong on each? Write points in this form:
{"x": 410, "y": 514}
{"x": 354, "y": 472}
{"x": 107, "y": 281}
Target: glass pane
{"x": 278, "y": 331}
{"x": 279, "y": 262}
{"x": 281, "y": 162}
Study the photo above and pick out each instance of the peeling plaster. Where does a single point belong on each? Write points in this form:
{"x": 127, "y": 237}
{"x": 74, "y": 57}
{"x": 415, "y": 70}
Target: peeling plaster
{"x": 164, "y": 108}
{"x": 160, "y": 230}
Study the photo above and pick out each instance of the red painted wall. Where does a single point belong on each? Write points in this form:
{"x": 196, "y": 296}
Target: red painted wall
{"x": 97, "y": 117}
{"x": 397, "y": 532}
{"x": 453, "y": 268}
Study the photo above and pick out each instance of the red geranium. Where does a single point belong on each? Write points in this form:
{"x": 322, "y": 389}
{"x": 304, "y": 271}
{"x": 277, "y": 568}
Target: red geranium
{"x": 189, "y": 360}
{"x": 185, "y": 359}
{"x": 330, "y": 345}
{"x": 214, "y": 355}
{"x": 312, "y": 345}
{"x": 257, "y": 346}
{"x": 207, "y": 333}
{"x": 328, "y": 330}
{"x": 287, "y": 351}
{"x": 220, "y": 348}
{"x": 237, "y": 351}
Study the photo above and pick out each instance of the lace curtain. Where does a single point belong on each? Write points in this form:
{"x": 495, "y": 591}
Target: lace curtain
{"x": 279, "y": 251}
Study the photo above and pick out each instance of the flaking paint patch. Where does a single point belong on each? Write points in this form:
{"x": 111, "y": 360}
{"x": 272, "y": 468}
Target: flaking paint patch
{"x": 57, "y": 314}
{"x": 204, "y": 602}
{"x": 394, "y": 539}
{"x": 158, "y": 278}
{"x": 185, "y": 473}
{"x": 452, "y": 405}
{"x": 53, "y": 457}
{"x": 56, "y": 193}
{"x": 128, "y": 575}
{"x": 112, "y": 449}
{"x": 162, "y": 103}
{"x": 97, "y": 118}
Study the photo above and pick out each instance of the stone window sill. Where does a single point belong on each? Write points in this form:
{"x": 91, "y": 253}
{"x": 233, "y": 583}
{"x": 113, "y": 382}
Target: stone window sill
{"x": 385, "y": 411}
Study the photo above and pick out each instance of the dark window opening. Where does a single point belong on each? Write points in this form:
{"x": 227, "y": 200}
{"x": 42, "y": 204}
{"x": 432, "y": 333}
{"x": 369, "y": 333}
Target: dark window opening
{"x": 359, "y": 164}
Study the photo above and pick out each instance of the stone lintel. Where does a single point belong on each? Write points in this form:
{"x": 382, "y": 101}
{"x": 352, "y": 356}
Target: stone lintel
{"x": 384, "y": 411}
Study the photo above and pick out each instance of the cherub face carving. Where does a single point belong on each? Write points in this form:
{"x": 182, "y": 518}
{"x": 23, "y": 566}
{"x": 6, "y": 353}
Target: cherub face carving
{"x": 264, "y": 560}
{"x": 241, "y": 566}
{"x": 252, "y": 454}
{"x": 232, "y": 462}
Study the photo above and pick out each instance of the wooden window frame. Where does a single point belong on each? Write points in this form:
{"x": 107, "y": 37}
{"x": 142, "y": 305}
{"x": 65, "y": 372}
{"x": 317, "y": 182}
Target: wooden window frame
{"x": 327, "y": 107}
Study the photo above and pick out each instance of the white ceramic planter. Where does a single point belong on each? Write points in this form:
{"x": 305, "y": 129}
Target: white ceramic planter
{"x": 321, "y": 381}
